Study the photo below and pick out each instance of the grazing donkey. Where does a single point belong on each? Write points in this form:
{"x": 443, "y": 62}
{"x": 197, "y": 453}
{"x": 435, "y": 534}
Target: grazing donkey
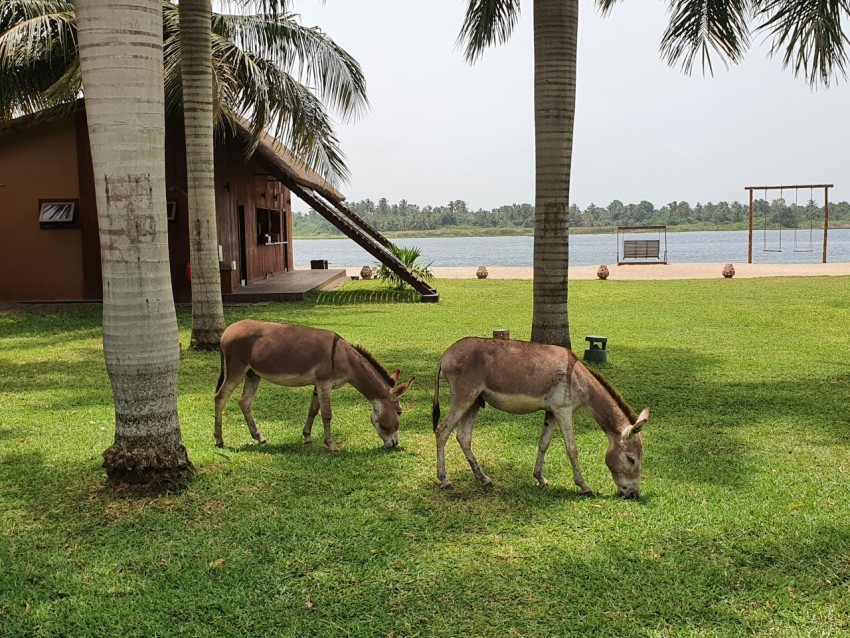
{"x": 295, "y": 356}
{"x": 522, "y": 377}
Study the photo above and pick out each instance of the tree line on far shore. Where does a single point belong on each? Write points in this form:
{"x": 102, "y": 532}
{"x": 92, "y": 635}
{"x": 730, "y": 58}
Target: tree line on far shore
{"x": 404, "y": 216}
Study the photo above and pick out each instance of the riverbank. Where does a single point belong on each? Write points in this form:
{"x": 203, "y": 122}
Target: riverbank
{"x": 633, "y": 272}
{"x": 514, "y": 231}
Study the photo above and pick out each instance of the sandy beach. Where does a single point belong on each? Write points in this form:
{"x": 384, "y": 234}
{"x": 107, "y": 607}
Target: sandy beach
{"x": 650, "y": 271}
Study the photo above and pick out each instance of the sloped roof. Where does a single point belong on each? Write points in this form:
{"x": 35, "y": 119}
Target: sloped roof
{"x": 269, "y": 147}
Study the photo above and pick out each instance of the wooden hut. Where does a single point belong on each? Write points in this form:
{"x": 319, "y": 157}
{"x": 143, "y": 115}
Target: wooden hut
{"x": 49, "y": 243}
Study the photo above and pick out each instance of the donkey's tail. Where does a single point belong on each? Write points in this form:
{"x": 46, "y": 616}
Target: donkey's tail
{"x": 435, "y": 408}
{"x": 221, "y": 373}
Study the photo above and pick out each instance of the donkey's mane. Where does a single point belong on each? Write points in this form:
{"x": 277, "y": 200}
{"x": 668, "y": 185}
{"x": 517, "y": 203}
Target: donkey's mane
{"x": 618, "y": 398}
{"x": 381, "y": 370}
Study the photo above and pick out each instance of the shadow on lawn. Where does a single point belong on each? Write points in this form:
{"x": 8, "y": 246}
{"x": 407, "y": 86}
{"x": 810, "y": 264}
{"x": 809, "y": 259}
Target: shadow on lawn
{"x": 46, "y": 321}
{"x": 358, "y": 297}
{"x": 83, "y": 382}
{"x": 687, "y": 581}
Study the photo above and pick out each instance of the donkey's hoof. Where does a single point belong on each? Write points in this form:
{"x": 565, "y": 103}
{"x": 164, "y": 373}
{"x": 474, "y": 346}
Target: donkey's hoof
{"x": 447, "y": 485}
{"x": 262, "y": 440}
{"x": 332, "y": 447}
{"x": 588, "y": 492}
{"x": 541, "y": 481}
{"x": 308, "y": 440}
{"x": 219, "y": 444}
{"x": 486, "y": 482}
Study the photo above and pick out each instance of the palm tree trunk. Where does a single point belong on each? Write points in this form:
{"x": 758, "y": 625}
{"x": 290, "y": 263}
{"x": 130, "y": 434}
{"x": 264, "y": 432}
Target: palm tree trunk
{"x": 196, "y": 64}
{"x": 121, "y": 60}
{"x": 555, "y": 47}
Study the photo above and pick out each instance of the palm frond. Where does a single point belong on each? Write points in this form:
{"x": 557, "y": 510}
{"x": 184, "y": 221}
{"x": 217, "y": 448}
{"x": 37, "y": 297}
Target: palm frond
{"x": 701, "y": 28}
{"x": 487, "y": 22}
{"x": 810, "y": 36}
{"x": 274, "y": 101}
{"x": 304, "y": 52}
{"x": 271, "y": 7}
{"x": 171, "y": 60}
{"x": 261, "y": 64}
{"x": 37, "y": 45}
{"x": 606, "y": 5}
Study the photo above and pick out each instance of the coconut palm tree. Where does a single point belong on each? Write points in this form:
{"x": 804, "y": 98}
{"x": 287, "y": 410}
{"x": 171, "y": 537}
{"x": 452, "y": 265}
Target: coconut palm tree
{"x": 258, "y": 65}
{"x": 198, "y": 121}
{"x": 198, "y": 96}
{"x": 122, "y": 70}
{"x": 808, "y": 35}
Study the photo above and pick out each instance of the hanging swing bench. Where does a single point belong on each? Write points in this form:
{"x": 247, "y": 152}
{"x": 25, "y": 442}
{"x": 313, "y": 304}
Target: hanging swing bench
{"x": 631, "y": 250}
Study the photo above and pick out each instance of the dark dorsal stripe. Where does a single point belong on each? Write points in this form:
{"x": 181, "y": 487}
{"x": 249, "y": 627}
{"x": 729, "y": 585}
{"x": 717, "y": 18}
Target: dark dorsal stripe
{"x": 618, "y": 398}
{"x": 381, "y": 370}
{"x": 333, "y": 350}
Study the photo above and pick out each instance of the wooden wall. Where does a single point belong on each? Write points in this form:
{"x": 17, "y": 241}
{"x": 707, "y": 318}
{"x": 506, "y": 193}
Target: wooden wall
{"x": 245, "y": 184}
{"x": 36, "y": 262}
{"x": 53, "y": 161}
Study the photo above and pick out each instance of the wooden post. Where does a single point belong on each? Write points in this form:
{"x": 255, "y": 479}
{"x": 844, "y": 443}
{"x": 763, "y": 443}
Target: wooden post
{"x": 502, "y": 333}
{"x": 750, "y": 241}
{"x": 825, "y": 218}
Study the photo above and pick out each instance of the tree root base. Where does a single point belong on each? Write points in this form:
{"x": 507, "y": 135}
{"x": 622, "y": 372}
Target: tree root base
{"x": 151, "y": 469}
{"x": 205, "y": 340}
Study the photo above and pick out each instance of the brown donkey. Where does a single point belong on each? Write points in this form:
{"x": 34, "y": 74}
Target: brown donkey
{"x": 295, "y": 356}
{"x": 522, "y": 377}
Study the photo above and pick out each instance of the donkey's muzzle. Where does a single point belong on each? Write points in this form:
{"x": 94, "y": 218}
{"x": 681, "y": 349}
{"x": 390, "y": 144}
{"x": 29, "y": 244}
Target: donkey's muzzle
{"x": 628, "y": 494}
{"x": 391, "y": 443}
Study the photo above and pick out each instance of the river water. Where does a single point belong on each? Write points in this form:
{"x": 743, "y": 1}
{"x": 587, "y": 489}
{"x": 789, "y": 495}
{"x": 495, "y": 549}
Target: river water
{"x": 588, "y": 250}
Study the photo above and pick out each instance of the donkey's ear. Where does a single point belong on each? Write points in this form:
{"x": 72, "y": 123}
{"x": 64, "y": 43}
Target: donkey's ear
{"x": 642, "y": 419}
{"x": 394, "y": 376}
{"x": 401, "y": 389}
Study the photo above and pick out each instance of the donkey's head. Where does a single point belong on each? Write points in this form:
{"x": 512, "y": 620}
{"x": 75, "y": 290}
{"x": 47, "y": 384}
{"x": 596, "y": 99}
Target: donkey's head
{"x": 624, "y": 457}
{"x": 386, "y": 411}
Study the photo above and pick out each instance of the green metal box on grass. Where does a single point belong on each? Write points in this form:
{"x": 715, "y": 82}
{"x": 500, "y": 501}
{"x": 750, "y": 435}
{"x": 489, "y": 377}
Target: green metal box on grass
{"x": 597, "y": 349}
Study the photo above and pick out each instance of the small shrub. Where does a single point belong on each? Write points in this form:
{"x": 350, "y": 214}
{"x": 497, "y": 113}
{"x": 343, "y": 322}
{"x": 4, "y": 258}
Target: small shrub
{"x": 408, "y": 256}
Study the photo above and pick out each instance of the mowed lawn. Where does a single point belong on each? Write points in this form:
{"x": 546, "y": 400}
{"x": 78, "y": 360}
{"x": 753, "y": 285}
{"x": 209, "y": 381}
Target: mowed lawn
{"x": 743, "y": 527}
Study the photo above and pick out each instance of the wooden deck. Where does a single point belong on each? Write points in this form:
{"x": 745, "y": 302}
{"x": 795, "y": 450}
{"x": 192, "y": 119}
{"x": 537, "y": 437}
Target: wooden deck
{"x": 287, "y": 286}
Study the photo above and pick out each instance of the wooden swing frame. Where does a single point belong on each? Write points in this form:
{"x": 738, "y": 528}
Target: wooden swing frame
{"x": 825, "y": 188}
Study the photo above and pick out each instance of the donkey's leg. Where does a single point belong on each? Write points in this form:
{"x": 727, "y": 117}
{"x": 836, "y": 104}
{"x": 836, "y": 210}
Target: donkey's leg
{"x": 324, "y": 397}
{"x": 252, "y": 382}
{"x": 230, "y": 383}
{"x": 311, "y": 416}
{"x": 545, "y": 439}
{"x": 443, "y": 431}
{"x": 565, "y": 423}
{"x": 464, "y": 437}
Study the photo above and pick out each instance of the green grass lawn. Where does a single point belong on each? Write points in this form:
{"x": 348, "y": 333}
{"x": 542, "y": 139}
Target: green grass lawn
{"x": 742, "y": 527}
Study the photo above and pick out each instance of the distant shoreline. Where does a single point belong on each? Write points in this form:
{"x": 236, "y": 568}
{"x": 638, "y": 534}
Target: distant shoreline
{"x": 513, "y": 231}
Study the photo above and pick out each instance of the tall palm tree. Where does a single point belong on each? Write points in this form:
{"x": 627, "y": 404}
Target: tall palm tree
{"x": 198, "y": 98}
{"x": 122, "y": 71}
{"x": 196, "y": 31}
{"x": 807, "y": 34}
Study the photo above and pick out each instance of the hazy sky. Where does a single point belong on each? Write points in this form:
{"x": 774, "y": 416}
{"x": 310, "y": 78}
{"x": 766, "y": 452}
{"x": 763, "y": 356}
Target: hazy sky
{"x": 439, "y": 129}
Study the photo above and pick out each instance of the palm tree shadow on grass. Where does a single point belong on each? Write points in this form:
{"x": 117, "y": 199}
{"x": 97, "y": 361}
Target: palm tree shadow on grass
{"x": 317, "y": 449}
{"x": 357, "y": 297}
